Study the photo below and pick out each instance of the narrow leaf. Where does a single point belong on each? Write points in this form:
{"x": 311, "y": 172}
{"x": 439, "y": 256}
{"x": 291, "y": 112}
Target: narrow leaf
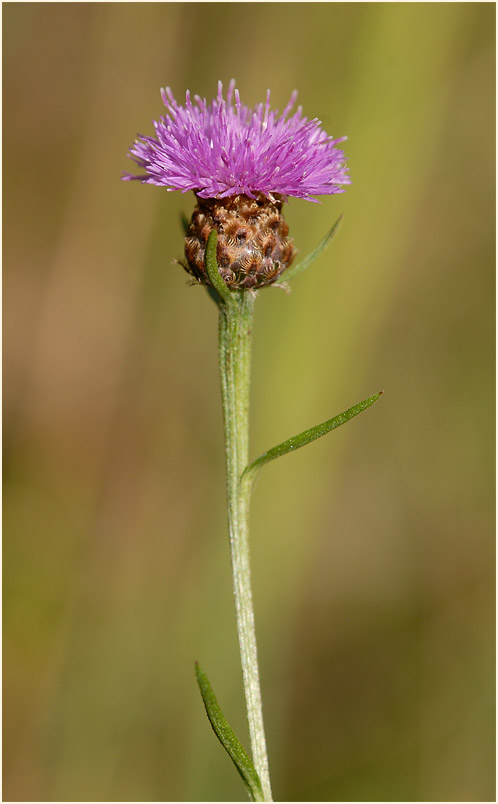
{"x": 322, "y": 245}
{"x": 212, "y": 267}
{"x": 184, "y": 222}
{"x": 310, "y": 435}
{"x": 228, "y": 739}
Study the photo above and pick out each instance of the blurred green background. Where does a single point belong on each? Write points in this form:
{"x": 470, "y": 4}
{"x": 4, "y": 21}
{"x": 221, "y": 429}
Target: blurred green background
{"x": 373, "y": 549}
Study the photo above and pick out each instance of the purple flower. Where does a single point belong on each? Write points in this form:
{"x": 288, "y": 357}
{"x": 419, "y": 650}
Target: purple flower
{"x": 225, "y": 148}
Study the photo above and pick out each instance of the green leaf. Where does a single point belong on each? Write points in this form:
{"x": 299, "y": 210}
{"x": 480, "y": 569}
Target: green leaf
{"x": 310, "y": 435}
{"x": 301, "y": 266}
{"x": 228, "y": 739}
{"x": 211, "y": 264}
{"x": 185, "y": 222}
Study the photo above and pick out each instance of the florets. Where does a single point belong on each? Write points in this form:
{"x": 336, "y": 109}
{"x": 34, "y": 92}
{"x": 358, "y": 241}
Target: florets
{"x": 225, "y": 149}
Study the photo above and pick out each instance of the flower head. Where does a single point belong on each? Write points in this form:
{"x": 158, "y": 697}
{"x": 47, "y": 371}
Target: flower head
{"x": 225, "y": 148}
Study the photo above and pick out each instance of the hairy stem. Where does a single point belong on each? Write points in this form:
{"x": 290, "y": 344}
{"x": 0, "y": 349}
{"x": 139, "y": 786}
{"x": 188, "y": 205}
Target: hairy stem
{"x": 236, "y": 316}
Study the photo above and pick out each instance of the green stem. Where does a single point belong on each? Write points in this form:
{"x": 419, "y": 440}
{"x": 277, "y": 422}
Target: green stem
{"x": 236, "y": 315}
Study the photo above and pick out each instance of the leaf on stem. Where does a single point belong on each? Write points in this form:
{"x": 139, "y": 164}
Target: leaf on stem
{"x": 301, "y": 266}
{"x": 184, "y": 222}
{"x": 228, "y": 739}
{"x": 211, "y": 264}
{"x": 309, "y": 435}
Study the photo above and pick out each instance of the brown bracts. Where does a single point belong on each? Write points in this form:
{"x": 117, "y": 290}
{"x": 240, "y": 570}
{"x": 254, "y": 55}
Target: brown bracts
{"x": 253, "y": 244}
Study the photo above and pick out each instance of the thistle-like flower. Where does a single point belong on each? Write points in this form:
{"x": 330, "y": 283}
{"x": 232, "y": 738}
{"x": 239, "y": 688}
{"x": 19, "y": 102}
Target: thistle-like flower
{"x": 242, "y": 164}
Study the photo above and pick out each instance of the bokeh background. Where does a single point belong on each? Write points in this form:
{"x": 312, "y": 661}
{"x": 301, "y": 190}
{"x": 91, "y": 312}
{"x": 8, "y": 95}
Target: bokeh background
{"x": 373, "y": 549}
